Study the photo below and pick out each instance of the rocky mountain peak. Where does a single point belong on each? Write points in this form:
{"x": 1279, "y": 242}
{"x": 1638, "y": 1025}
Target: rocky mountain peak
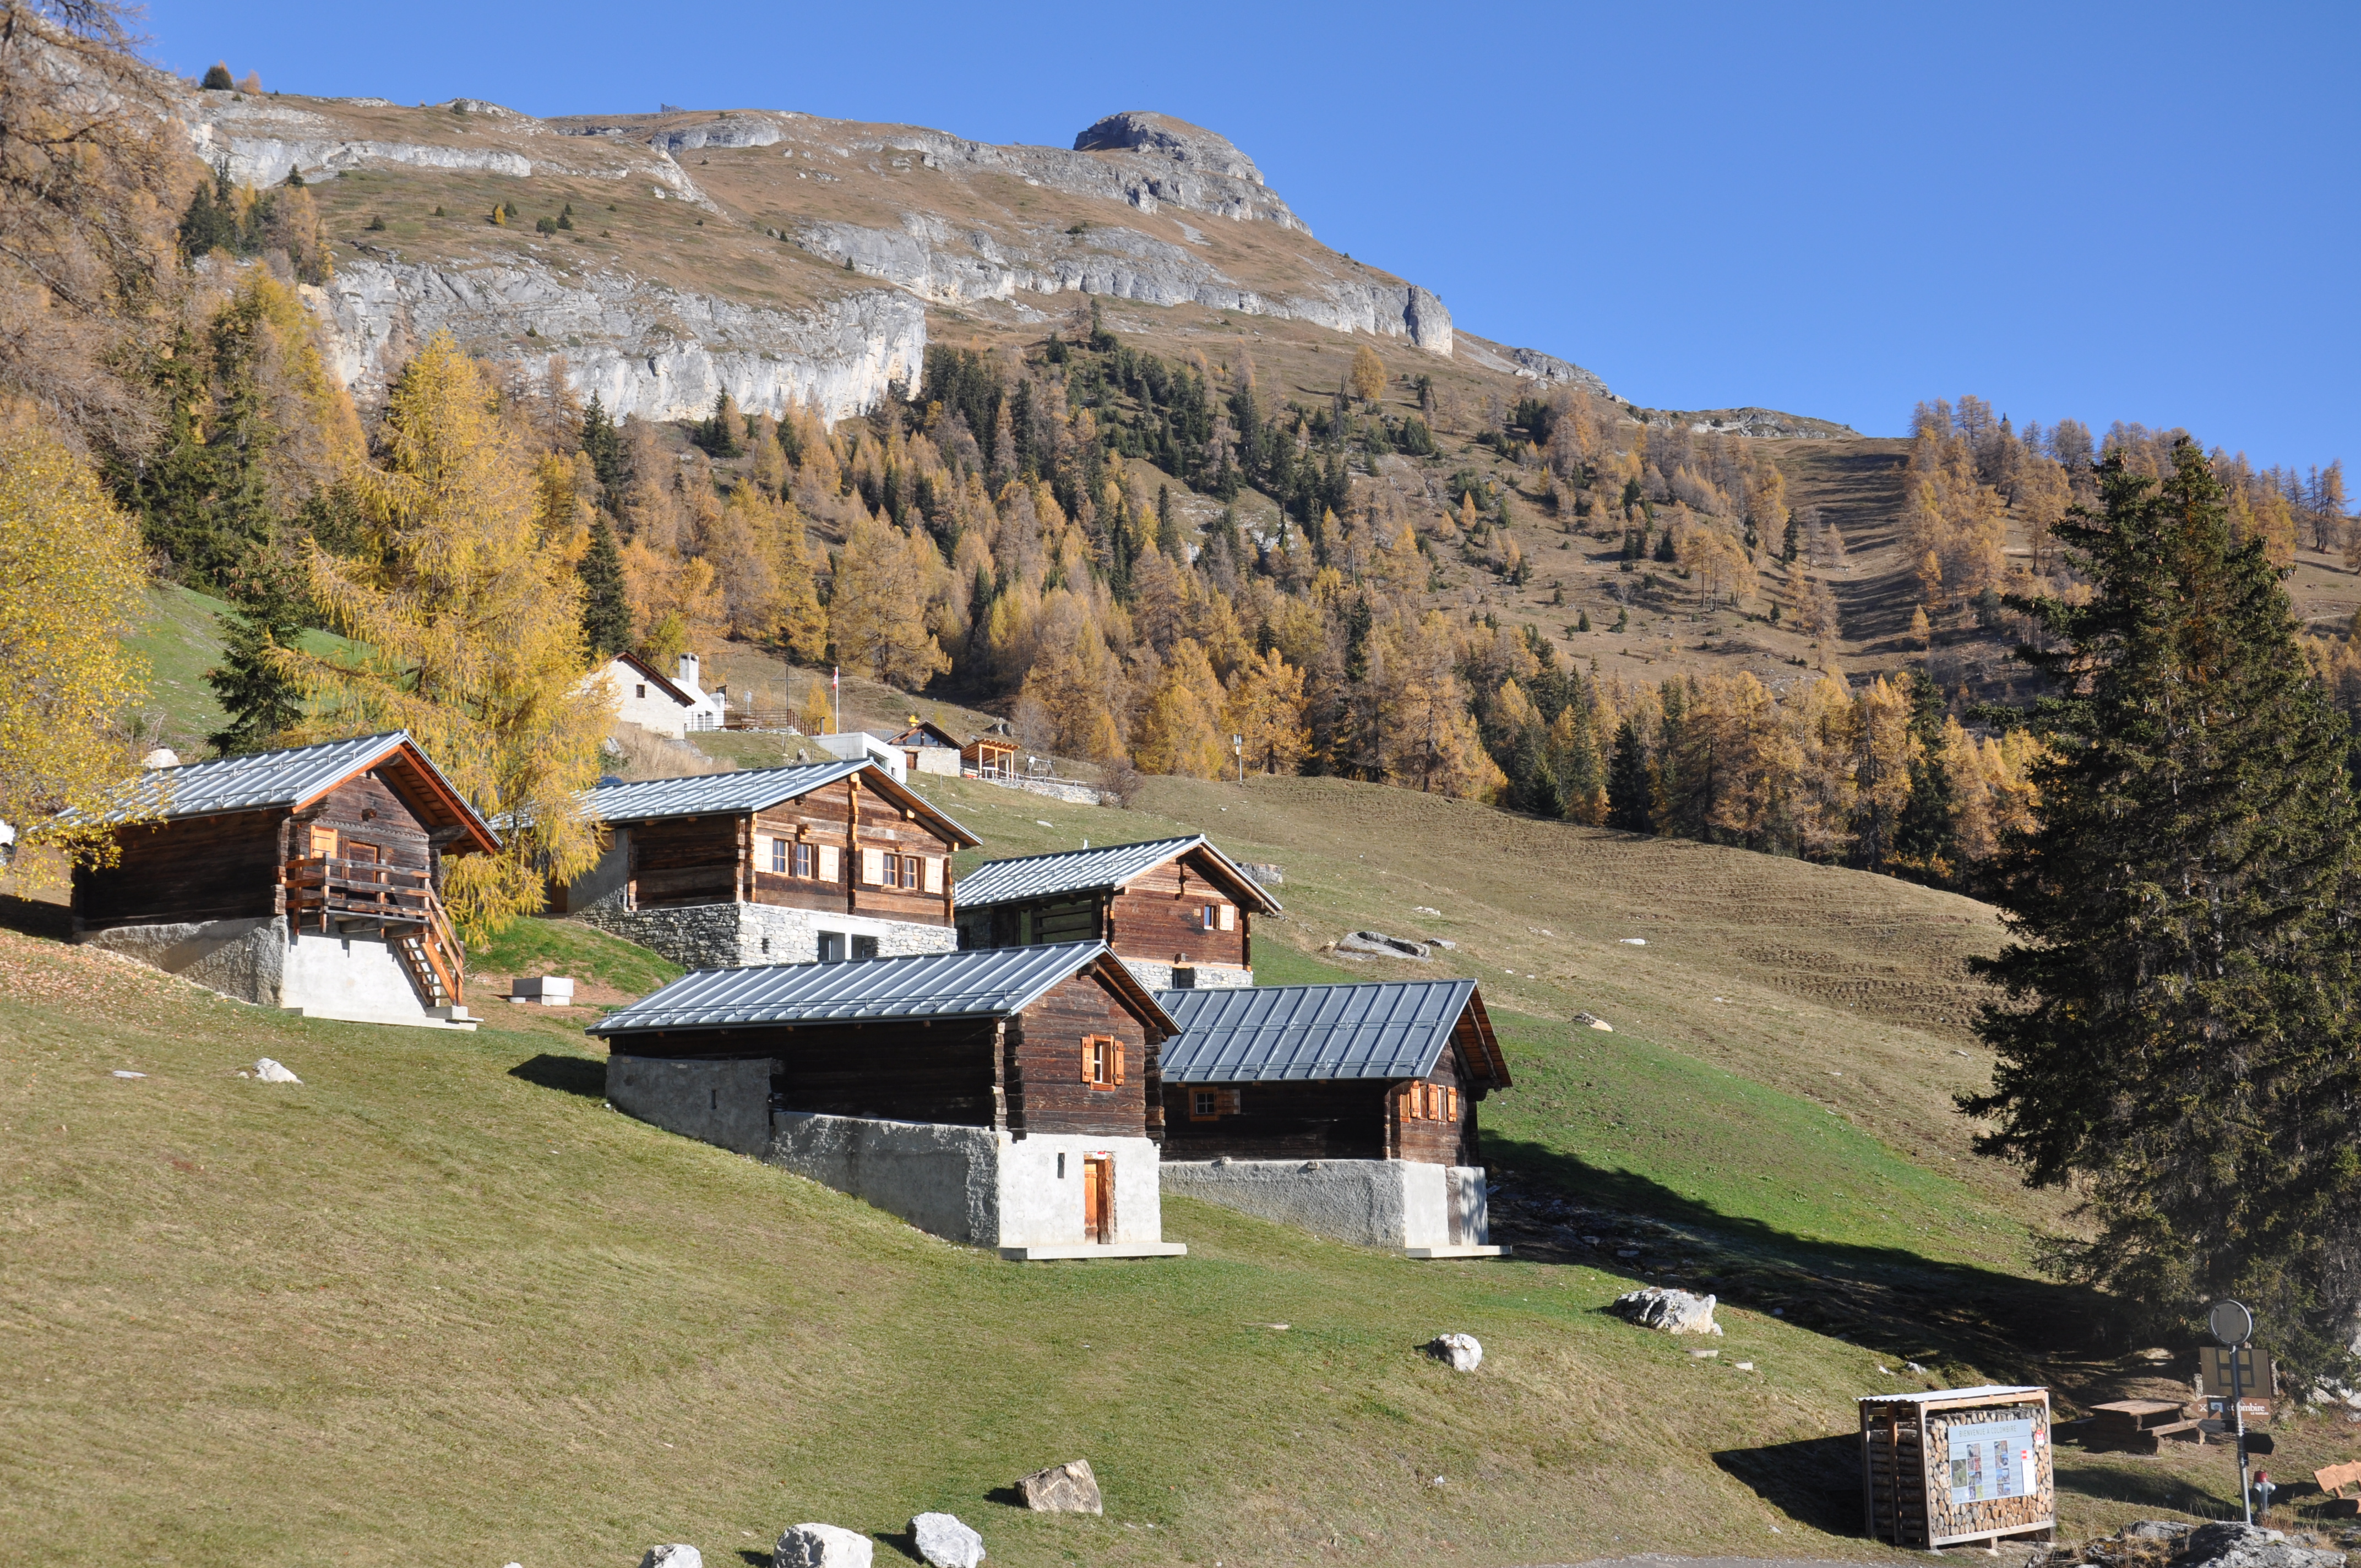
{"x": 1141, "y": 130}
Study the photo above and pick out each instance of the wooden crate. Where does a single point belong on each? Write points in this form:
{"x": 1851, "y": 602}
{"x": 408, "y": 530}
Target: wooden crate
{"x": 1957, "y": 1464}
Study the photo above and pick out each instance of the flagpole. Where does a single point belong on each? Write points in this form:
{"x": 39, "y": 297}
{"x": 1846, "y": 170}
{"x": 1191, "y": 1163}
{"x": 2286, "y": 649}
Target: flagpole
{"x": 836, "y": 686}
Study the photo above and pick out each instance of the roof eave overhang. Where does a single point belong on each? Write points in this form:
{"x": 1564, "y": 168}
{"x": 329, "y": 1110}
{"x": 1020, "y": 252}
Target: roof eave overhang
{"x": 428, "y": 787}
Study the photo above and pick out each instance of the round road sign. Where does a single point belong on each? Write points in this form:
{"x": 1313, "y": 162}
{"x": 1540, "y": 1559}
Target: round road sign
{"x": 2231, "y": 1322}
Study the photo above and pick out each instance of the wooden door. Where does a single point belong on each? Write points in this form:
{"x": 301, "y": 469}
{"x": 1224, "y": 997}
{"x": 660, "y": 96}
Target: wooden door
{"x": 1098, "y": 1199}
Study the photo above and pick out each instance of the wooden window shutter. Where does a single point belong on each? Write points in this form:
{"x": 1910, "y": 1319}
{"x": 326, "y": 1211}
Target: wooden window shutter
{"x": 934, "y": 873}
{"x": 1226, "y": 1100}
{"x": 830, "y": 869}
{"x": 1090, "y": 1064}
{"x": 872, "y": 866}
{"x": 762, "y": 861}
{"x": 324, "y": 841}
{"x": 1119, "y": 1060}
{"x": 1229, "y": 917}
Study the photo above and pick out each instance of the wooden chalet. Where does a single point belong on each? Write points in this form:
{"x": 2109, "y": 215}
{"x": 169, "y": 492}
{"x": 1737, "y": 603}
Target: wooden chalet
{"x": 1383, "y": 1071}
{"x": 821, "y": 862}
{"x": 1178, "y": 910}
{"x": 1049, "y": 1057}
{"x": 309, "y": 878}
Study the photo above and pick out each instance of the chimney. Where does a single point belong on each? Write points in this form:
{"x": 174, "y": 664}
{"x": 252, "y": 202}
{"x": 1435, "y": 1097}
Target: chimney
{"x": 688, "y": 672}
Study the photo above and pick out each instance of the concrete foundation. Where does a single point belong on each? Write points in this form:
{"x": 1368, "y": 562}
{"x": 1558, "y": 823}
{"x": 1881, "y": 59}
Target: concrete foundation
{"x": 1422, "y": 1210}
{"x": 973, "y": 1185}
{"x": 357, "y": 979}
{"x": 749, "y": 936}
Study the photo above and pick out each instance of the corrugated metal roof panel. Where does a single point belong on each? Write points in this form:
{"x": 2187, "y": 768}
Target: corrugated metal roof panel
{"x": 1085, "y": 871}
{"x": 985, "y": 983}
{"x": 705, "y": 794}
{"x": 1268, "y": 1034}
{"x": 257, "y": 781}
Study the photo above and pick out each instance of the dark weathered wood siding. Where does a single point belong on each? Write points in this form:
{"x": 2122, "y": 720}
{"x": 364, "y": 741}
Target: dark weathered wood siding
{"x": 1159, "y": 916}
{"x": 685, "y": 860}
{"x": 1325, "y": 1119}
{"x": 195, "y": 869}
{"x": 1046, "y": 1090}
{"x": 726, "y": 858}
{"x": 365, "y": 810}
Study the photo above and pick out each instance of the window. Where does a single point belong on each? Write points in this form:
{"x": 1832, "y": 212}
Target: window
{"x": 1209, "y": 919}
{"x": 779, "y": 856}
{"x": 1202, "y": 1103}
{"x": 640, "y": 690}
{"x": 864, "y": 947}
{"x": 831, "y": 947}
{"x": 803, "y": 860}
{"x": 1102, "y": 1061}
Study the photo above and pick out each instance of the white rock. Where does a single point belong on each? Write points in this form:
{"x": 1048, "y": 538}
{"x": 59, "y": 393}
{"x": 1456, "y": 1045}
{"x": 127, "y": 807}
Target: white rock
{"x": 945, "y": 1542}
{"x": 125, "y": 1072}
{"x": 1068, "y": 1489}
{"x": 674, "y": 1556}
{"x": 822, "y": 1546}
{"x": 1594, "y": 1021}
{"x": 1669, "y": 1311}
{"x": 1460, "y": 1351}
{"x": 270, "y": 1071}
{"x": 1634, "y": 941}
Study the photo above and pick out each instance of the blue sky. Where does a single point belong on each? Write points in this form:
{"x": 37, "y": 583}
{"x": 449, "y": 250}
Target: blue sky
{"x": 2099, "y": 213}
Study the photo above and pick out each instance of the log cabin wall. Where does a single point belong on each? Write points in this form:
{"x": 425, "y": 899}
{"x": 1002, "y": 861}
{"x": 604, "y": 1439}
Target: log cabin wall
{"x": 366, "y": 810}
{"x": 897, "y": 1071}
{"x": 821, "y": 820}
{"x": 190, "y": 870}
{"x": 881, "y": 829}
{"x": 1322, "y": 1119}
{"x": 685, "y": 860}
{"x": 1160, "y": 914}
{"x": 1046, "y": 1092}
{"x": 1449, "y": 1140}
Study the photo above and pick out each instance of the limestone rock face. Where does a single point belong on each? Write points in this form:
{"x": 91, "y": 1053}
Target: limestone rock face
{"x": 822, "y": 1546}
{"x": 1068, "y": 1489}
{"x": 945, "y": 1542}
{"x": 1460, "y": 1352}
{"x": 1668, "y": 1311}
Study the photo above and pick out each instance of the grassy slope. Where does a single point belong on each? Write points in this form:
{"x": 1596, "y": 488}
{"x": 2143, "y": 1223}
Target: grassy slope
{"x": 182, "y": 641}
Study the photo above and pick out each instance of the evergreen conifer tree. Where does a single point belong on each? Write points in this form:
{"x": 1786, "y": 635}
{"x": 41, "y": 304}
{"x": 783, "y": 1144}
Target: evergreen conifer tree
{"x": 1925, "y": 837}
{"x": 606, "y": 613}
{"x": 604, "y": 444}
{"x": 2177, "y": 1037}
{"x": 259, "y": 699}
{"x": 1629, "y": 789}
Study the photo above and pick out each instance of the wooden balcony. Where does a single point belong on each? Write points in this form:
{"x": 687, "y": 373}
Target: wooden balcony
{"x": 341, "y": 896}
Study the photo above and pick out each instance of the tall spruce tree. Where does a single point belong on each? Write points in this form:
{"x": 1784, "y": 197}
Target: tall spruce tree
{"x": 2179, "y": 1035}
{"x": 1630, "y": 794}
{"x": 606, "y": 613}
{"x": 1926, "y": 835}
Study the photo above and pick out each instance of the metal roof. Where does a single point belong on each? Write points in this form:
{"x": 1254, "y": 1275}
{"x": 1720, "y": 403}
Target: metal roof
{"x": 257, "y": 781}
{"x": 1931, "y": 1396}
{"x": 989, "y": 982}
{"x": 1273, "y": 1033}
{"x": 1088, "y": 871}
{"x": 705, "y": 795}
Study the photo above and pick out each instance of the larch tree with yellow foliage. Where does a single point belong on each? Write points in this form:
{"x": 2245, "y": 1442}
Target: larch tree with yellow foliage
{"x": 71, "y": 589}
{"x": 1369, "y": 376}
{"x": 877, "y": 617}
{"x": 1177, "y": 730}
{"x": 466, "y": 620}
{"x": 1266, "y": 710}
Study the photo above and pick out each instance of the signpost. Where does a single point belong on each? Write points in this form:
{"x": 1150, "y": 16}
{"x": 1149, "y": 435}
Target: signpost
{"x": 2235, "y": 1327}
{"x": 1238, "y": 750}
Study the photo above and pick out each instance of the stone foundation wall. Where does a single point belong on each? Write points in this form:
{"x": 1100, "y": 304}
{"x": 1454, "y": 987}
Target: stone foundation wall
{"x": 1390, "y": 1204}
{"x": 1202, "y": 977}
{"x": 751, "y": 935}
{"x": 244, "y": 959}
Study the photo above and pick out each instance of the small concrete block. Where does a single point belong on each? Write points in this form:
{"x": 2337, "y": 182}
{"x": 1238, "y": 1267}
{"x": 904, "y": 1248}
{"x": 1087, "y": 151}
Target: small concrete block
{"x": 1086, "y": 1249}
{"x": 549, "y": 989}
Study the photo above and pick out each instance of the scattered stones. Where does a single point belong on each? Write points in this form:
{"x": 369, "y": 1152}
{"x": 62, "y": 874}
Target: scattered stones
{"x": 1743, "y": 1366}
{"x": 2157, "y": 1530}
{"x": 1460, "y": 1352}
{"x": 821, "y": 1546}
{"x": 1068, "y": 1489}
{"x": 1423, "y": 909}
{"x": 1912, "y": 1367}
{"x": 674, "y": 1556}
{"x": 1668, "y": 1311}
{"x": 2229, "y": 1544}
{"x": 125, "y": 1072}
{"x": 945, "y": 1542}
{"x": 1380, "y": 943}
{"x": 1594, "y": 1021}
{"x": 1634, "y": 941}
{"x": 270, "y": 1071}
{"x": 1708, "y": 1355}
{"x": 1265, "y": 873}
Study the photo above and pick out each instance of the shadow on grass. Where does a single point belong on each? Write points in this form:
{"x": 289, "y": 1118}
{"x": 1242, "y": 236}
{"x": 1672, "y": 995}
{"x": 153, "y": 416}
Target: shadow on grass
{"x": 2142, "y": 1488}
{"x": 1006, "y": 1496}
{"x": 902, "y": 1540}
{"x": 585, "y": 1076}
{"x": 1815, "y": 1481}
{"x": 36, "y": 917}
{"x": 756, "y": 1559}
{"x": 1916, "y": 1308}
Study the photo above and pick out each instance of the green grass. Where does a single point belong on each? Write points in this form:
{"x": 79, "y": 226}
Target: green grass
{"x": 181, "y": 641}
{"x": 570, "y": 947}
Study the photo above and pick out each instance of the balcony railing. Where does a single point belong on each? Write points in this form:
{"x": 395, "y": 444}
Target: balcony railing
{"x": 343, "y": 896}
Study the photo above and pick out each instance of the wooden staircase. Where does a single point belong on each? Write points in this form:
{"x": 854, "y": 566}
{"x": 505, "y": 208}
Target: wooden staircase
{"x": 360, "y": 895}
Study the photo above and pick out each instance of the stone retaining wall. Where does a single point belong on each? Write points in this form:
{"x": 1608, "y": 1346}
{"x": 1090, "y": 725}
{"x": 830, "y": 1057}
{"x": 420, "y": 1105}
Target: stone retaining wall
{"x": 750, "y": 935}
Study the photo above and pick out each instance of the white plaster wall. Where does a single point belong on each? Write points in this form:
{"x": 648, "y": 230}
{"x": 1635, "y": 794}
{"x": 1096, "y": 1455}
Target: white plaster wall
{"x": 943, "y": 1179}
{"x": 1389, "y": 1204}
{"x": 349, "y": 977}
{"x": 656, "y": 711}
{"x": 854, "y": 744}
{"x": 935, "y": 760}
{"x": 727, "y": 1103}
{"x": 1039, "y": 1207}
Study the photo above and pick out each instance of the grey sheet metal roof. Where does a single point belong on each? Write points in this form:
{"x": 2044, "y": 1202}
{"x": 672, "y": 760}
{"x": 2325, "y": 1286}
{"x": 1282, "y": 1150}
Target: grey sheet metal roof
{"x": 707, "y": 794}
{"x": 258, "y": 781}
{"x": 987, "y": 983}
{"x": 1087, "y": 871}
{"x": 1273, "y": 1033}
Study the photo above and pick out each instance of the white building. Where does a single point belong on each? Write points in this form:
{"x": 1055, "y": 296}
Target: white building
{"x": 664, "y": 704}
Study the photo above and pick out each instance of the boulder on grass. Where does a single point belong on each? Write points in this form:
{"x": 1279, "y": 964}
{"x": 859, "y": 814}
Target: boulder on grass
{"x": 2230, "y": 1544}
{"x": 1459, "y": 1352}
{"x": 945, "y": 1542}
{"x": 674, "y": 1556}
{"x": 1378, "y": 942}
{"x": 1068, "y": 1489}
{"x": 1668, "y": 1311}
{"x": 270, "y": 1071}
{"x": 821, "y": 1546}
